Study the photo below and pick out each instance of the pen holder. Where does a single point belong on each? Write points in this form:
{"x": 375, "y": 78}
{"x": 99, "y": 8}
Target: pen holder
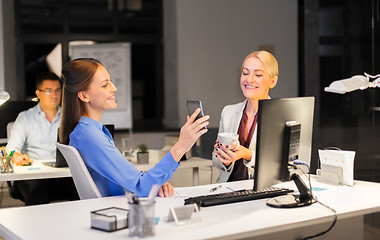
{"x": 6, "y": 165}
{"x": 141, "y": 219}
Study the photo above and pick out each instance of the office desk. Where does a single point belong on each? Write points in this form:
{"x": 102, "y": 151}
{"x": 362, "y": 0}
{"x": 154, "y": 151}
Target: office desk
{"x": 40, "y": 171}
{"x": 156, "y": 155}
{"x": 195, "y": 163}
{"x": 245, "y": 220}
{"x": 36, "y": 171}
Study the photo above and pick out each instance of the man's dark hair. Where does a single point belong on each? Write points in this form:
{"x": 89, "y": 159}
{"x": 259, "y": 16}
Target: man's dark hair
{"x": 46, "y": 76}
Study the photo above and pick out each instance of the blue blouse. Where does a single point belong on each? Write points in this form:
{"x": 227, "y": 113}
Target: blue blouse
{"x": 111, "y": 172}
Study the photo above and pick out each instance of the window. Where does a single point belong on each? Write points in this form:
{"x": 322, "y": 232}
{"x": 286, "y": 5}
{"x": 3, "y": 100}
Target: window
{"x": 40, "y": 25}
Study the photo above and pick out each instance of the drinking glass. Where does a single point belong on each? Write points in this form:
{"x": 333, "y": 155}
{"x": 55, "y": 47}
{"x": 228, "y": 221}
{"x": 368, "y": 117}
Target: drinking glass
{"x": 141, "y": 219}
{"x": 127, "y": 147}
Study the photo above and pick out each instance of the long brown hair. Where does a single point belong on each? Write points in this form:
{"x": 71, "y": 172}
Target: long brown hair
{"x": 77, "y": 76}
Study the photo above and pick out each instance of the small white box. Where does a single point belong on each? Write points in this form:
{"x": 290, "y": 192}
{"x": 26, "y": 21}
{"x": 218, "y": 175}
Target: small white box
{"x": 109, "y": 219}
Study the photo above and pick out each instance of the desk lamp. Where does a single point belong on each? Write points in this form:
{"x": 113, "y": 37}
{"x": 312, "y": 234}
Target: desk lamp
{"x": 4, "y": 96}
{"x": 354, "y": 83}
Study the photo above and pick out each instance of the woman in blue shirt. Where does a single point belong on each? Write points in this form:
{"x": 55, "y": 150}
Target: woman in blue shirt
{"x": 87, "y": 92}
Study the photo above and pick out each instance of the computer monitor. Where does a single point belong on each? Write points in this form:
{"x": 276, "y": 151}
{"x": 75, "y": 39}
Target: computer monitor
{"x": 9, "y": 112}
{"x": 274, "y": 138}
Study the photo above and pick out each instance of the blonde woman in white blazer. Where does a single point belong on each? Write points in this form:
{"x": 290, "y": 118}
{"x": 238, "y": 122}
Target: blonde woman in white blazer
{"x": 259, "y": 74}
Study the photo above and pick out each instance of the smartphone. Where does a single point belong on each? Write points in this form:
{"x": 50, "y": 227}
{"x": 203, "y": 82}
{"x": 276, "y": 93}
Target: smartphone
{"x": 192, "y": 106}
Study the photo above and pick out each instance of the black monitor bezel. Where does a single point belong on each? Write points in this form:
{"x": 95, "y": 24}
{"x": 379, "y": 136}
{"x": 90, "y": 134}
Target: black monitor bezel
{"x": 270, "y": 165}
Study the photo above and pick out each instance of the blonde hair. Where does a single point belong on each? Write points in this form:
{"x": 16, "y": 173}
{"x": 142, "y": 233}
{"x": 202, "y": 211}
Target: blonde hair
{"x": 268, "y": 60}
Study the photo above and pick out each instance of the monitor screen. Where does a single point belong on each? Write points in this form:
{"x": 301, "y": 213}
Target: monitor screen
{"x": 9, "y": 112}
{"x": 271, "y": 166}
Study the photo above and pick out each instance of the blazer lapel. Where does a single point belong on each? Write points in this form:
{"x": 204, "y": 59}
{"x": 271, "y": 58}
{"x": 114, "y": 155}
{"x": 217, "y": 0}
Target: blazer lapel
{"x": 236, "y": 118}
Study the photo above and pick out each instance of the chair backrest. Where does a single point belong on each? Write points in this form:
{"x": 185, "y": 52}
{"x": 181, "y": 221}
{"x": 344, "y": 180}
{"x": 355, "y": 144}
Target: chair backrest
{"x": 9, "y": 129}
{"x": 82, "y": 179}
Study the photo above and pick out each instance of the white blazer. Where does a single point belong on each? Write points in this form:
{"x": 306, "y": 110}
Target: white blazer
{"x": 229, "y": 122}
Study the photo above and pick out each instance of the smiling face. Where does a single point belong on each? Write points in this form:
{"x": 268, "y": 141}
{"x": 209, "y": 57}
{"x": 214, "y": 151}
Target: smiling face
{"x": 100, "y": 95}
{"x": 255, "y": 81}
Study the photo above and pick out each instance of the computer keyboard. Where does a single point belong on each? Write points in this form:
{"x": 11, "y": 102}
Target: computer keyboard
{"x": 236, "y": 196}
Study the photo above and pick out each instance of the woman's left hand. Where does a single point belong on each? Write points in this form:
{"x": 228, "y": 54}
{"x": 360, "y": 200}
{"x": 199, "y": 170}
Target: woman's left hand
{"x": 166, "y": 190}
{"x": 229, "y": 154}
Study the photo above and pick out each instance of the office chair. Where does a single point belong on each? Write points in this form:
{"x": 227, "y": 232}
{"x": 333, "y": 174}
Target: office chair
{"x": 9, "y": 129}
{"x": 82, "y": 179}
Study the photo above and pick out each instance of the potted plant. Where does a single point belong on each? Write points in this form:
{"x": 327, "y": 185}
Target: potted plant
{"x": 142, "y": 154}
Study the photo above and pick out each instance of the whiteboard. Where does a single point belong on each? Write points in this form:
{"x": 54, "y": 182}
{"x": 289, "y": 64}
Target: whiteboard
{"x": 116, "y": 57}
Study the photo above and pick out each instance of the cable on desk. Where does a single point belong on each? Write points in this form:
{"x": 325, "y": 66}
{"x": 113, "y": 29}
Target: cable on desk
{"x": 332, "y": 225}
{"x": 323, "y": 204}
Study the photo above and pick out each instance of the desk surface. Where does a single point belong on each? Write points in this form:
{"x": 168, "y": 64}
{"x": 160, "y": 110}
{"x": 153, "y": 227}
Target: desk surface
{"x": 36, "y": 171}
{"x": 39, "y": 171}
{"x": 71, "y": 220}
{"x": 193, "y": 162}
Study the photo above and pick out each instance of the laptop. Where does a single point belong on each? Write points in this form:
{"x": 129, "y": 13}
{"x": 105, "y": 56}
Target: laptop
{"x": 60, "y": 160}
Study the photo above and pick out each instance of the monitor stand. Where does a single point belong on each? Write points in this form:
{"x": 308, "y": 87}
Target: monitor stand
{"x": 290, "y": 201}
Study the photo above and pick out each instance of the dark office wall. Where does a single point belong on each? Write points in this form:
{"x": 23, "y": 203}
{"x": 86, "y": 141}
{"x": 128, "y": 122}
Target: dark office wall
{"x": 206, "y": 42}
{"x": 9, "y": 112}
{"x": 41, "y": 25}
{"x": 338, "y": 41}
{"x": 8, "y": 52}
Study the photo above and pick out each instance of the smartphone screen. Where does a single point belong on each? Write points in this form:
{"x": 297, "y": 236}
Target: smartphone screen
{"x": 192, "y": 106}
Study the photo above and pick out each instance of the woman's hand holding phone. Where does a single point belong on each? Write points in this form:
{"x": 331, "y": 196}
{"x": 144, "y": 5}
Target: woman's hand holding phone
{"x": 192, "y": 106}
{"x": 189, "y": 134}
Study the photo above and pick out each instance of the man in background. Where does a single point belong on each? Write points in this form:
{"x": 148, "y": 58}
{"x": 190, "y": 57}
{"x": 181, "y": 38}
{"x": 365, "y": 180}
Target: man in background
{"x": 33, "y": 137}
